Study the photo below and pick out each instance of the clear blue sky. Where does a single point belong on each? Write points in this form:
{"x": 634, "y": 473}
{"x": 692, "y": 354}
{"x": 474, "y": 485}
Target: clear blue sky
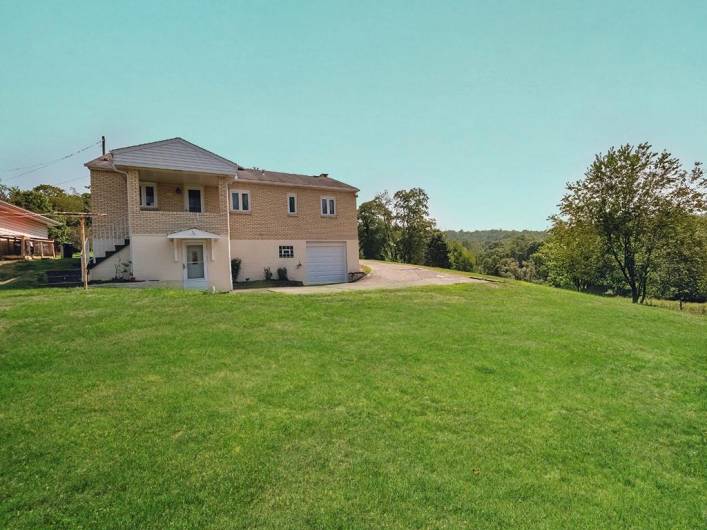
{"x": 490, "y": 106}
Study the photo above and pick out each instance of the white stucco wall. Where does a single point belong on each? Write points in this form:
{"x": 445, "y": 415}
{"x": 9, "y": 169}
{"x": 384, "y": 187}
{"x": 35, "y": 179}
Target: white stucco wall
{"x": 256, "y": 254}
{"x": 105, "y": 270}
{"x": 153, "y": 259}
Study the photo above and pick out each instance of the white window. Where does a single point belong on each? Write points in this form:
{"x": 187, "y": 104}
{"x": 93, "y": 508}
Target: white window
{"x": 240, "y": 201}
{"x": 287, "y": 251}
{"x": 148, "y": 195}
{"x": 291, "y": 204}
{"x": 328, "y": 206}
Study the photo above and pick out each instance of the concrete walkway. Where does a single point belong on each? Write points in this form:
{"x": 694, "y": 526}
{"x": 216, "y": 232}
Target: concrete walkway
{"x": 385, "y": 275}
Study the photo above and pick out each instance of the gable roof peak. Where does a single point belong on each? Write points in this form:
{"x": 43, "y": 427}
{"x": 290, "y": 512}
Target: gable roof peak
{"x": 173, "y": 153}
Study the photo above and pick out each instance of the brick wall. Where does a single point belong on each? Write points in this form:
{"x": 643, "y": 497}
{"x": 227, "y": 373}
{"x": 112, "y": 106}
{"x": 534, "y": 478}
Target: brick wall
{"x": 119, "y": 197}
{"x": 269, "y": 219}
{"x": 168, "y": 200}
{"x": 214, "y": 220}
{"x": 108, "y": 196}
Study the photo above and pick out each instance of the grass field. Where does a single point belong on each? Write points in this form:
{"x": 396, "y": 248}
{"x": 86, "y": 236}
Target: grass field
{"x": 508, "y": 405}
{"x": 20, "y": 274}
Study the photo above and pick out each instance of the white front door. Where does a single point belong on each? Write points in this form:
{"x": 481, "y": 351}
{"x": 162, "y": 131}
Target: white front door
{"x": 194, "y": 266}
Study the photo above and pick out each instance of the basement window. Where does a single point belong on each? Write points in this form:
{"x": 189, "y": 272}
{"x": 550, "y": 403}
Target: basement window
{"x": 148, "y": 195}
{"x": 287, "y": 251}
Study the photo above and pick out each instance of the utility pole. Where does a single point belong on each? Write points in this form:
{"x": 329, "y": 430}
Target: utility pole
{"x": 84, "y": 242}
{"x": 103, "y": 144}
{"x": 84, "y": 257}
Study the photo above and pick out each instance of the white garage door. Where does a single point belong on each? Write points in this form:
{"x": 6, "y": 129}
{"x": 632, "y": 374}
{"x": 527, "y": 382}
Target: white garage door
{"x": 326, "y": 262}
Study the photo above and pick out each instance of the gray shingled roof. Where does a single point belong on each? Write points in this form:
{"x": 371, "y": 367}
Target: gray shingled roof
{"x": 275, "y": 177}
{"x": 176, "y": 154}
{"x": 180, "y": 155}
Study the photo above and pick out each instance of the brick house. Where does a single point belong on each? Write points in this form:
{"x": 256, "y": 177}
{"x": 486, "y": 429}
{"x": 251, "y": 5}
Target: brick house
{"x": 178, "y": 214}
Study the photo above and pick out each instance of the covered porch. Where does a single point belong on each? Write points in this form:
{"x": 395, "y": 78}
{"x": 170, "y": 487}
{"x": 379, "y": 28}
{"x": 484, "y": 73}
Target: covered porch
{"x": 167, "y": 201}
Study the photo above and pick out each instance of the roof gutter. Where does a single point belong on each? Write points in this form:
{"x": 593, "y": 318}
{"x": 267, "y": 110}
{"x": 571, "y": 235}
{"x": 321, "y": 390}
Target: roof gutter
{"x": 302, "y": 186}
{"x": 112, "y": 165}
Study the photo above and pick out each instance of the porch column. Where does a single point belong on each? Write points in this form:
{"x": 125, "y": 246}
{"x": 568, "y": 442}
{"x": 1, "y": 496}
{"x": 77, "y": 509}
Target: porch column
{"x": 133, "y": 191}
{"x": 224, "y": 192}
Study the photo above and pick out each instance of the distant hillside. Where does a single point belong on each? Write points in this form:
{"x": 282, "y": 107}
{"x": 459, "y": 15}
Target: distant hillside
{"x": 477, "y": 238}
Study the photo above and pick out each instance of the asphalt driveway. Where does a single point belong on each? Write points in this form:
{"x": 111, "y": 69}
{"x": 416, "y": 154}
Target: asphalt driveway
{"x": 385, "y": 275}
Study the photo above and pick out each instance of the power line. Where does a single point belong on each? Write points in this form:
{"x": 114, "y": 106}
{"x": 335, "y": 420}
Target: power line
{"x": 70, "y": 180}
{"x": 42, "y": 165}
{"x": 32, "y": 166}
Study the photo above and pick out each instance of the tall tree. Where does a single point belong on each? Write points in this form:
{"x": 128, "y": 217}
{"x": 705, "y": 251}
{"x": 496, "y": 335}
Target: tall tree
{"x": 631, "y": 197}
{"x": 437, "y": 253}
{"x": 573, "y": 257}
{"x": 375, "y": 228}
{"x": 681, "y": 270}
{"x": 460, "y": 257}
{"x": 411, "y": 213}
{"x": 31, "y": 200}
{"x": 62, "y": 201}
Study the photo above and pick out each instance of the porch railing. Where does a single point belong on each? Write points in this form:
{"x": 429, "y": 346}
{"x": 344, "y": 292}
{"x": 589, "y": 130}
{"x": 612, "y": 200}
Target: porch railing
{"x": 105, "y": 235}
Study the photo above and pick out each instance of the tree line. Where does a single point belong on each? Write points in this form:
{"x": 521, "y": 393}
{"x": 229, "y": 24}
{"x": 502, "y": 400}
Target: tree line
{"x": 635, "y": 225}
{"x": 399, "y": 228}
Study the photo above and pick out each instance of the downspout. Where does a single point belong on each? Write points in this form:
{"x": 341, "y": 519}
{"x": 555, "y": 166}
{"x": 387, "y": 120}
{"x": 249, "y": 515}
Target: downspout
{"x": 125, "y": 174}
{"x": 129, "y": 228}
{"x": 228, "y": 226}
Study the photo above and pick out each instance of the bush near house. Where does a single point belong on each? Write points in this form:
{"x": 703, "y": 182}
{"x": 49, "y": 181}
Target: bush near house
{"x": 235, "y": 268}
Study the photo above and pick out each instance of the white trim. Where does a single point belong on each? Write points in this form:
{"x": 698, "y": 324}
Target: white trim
{"x": 240, "y": 200}
{"x": 143, "y": 195}
{"x": 290, "y": 196}
{"x": 328, "y": 198}
{"x": 186, "y": 197}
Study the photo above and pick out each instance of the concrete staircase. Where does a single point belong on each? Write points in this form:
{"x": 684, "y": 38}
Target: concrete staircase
{"x": 116, "y": 248}
{"x": 64, "y": 278}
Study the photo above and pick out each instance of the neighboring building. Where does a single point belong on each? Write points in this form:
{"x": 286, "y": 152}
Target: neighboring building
{"x": 179, "y": 213}
{"x": 24, "y": 234}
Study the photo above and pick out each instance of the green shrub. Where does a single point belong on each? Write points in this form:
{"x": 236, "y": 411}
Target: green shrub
{"x": 235, "y": 268}
{"x": 282, "y": 274}
{"x": 268, "y": 274}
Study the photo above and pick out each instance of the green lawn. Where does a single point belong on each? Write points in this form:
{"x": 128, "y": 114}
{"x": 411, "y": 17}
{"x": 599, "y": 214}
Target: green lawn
{"x": 21, "y": 274}
{"x": 509, "y": 405}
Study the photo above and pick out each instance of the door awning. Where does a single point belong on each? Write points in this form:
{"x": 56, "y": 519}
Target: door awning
{"x": 193, "y": 233}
